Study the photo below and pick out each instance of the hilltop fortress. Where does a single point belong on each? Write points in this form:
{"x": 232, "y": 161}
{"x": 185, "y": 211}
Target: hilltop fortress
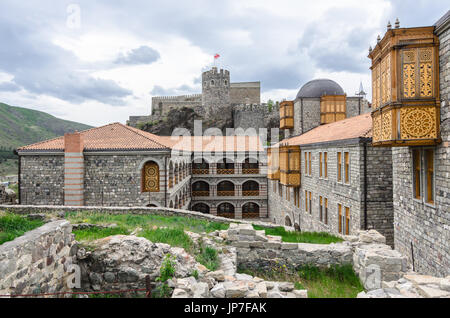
{"x": 239, "y": 104}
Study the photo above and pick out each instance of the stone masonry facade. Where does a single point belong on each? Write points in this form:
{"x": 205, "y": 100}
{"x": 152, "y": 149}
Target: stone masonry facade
{"x": 422, "y": 230}
{"x": 377, "y": 168}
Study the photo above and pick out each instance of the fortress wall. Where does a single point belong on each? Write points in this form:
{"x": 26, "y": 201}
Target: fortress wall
{"x": 247, "y": 93}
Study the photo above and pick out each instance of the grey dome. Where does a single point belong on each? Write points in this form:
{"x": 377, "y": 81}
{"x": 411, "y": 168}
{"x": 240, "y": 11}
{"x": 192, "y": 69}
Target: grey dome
{"x": 320, "y": 87}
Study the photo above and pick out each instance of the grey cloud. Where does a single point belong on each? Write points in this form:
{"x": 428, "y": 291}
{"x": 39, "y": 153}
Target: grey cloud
{"x": 141, "y": 55}
{"x": 9, "y": 87}
{"x": 174, "y": 91}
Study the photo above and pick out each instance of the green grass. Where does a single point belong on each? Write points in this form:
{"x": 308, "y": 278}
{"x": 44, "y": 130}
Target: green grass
{"x": 98, "y": 233}
{"x": 300, "y": 237}
{"x": 172, "y": 236}
{"x": 209, "y": 257}
{"x": 131, "y": 221}
{"x": 12, "y": 226}
{"x": 333, "y": 282}
{"x": 15, "y": 187}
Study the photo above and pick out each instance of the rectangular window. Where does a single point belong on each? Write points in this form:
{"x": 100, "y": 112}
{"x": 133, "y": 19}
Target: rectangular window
{"x": 297, "y": 197}
{"x": 306, "y": 201}
{"x": 423, "y": 174}
{"x": 326, "y": 164}
{"x": 326, "y": 211}
{"x": 309, "y": 164}
{"x": 288, "y": 194}
{"x": 339, "y": 166}
{"x": 280, "y": 190}
{"x": 340, "y": 218}
{"x": 429, "y": 166}
{"x": 417, "y": 168}
{"x": 320, "y": 164}
{"x": 347, "y": 221}
{"x": 347, "y": 166}
{"x": 320, "y": 209}
{"x": 310, "y": 203}
{"x": 306, "y": 163}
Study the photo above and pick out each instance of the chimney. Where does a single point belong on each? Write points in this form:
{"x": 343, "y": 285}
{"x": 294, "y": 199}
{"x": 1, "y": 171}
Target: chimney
{"x": 73, "y": 170}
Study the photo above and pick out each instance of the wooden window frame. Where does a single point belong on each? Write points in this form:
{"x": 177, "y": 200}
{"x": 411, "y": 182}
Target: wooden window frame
{"x": 347, "y": 167}
{"x": 339, "y": 166}
{"x": 325, "y": 156}
{"x": 347, "y": 221}
{"x": 320, "y": 208}
{"x": 339, "y": 206}
{"x": 423, "y": 181}
{"x": 310, "y": 203}
{"x": 306, "y": 201}
{"x": 320, "y": 164}
{"x": 326, "y": 211}
{"x": 309, "y": 164}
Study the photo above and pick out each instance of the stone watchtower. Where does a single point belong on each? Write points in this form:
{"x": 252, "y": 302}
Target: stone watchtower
{"x": 216, "y": 93}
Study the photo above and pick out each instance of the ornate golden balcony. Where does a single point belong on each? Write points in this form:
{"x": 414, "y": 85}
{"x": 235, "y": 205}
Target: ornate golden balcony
{"x": 273, "y": 168}
{"x": 405, "y": 83}
{"x": 286, "y": 115}
{"x": 290, "y": 166}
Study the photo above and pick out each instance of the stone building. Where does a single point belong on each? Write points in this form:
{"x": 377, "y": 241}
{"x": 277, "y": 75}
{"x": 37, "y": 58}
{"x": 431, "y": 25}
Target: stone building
{"x": 219, "y": 96}
{"x": 117, "y": 165}
{"x": 318, "y": 102}
{"x": 411, "y": 114}
{"x": 330, "y": 179}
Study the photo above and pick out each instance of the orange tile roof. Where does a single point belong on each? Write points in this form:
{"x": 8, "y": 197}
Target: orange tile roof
{"x": 349, "y": 128}
{"x": 114, "y": 136}
{"x": 117, "y": 136}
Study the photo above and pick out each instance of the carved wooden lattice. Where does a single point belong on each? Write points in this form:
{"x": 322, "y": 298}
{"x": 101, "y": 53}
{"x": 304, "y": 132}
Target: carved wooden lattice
{"x": 386, "y": 126}
{"x": 418, "y": 123}
{"x": 150, "y": 177}
{"x": 376, "y": 133}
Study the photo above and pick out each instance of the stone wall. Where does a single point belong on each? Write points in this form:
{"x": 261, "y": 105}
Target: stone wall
{"x": 422, "y": 229}
{"x": 38, "y": 261}
{"x": 379, "y": 191}
{"x": 42, "y": 179}
{"x": 256, "y": 116}
{"x": 248, "y": 93}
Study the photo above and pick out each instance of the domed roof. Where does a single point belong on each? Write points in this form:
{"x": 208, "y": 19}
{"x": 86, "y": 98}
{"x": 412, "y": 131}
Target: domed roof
{"x": 320, "y": 87}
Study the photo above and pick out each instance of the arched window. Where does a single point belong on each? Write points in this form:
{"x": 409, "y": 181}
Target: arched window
{"x": 297, "y": 227}
{"x": 177, "y": 206}
{"x": 225, "y": 166}
{"x": 150, "y": 177}
{"x": 200, "y": 189}
{"x": 171, "y": 204}
{"x": 250, "y": 210}
{"x": 171, "y": 175}
{"x": 225, "y": 189}
{"x": 201, "y": 207}
{"x": 225, "y": 210}
{"x": 175, "y": 180}
{"x": 200, "y": 167}
{"x": 287, "y": 221}
{"x": 250, "y": 166}
{"x": 151, "y": 206}
{"x": 250, "y": 188}
{"x": 212, "y": 83}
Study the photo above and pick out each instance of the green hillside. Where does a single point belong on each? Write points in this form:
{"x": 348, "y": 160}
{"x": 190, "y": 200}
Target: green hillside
{"x": 22, "y": 126}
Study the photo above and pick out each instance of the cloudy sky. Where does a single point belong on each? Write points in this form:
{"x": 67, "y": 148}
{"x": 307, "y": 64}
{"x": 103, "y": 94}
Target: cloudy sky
{"x": 98, "y": 62}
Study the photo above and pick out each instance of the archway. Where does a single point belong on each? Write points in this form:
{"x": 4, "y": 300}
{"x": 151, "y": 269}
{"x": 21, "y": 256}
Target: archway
{"x": 250, "y": 188}
{"x": 225, "y": 166}
{"x": 200, "y": 167}
{"x": 226, "y": 210}
{"x": 250, "y": 210}
{"x": 201, "y": 207}
{"x": 225, "y": 189}
{"x": 200, "y": 189}
{"x": 287, "y": 221}
{"x": 250, "y": 166}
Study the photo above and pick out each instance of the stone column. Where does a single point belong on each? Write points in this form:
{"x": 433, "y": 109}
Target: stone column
{"x": 238, "y": 168}
{"x": 213, "y": 210}
{"x": 73, "y": 170}
{"x": 238, "y": 212}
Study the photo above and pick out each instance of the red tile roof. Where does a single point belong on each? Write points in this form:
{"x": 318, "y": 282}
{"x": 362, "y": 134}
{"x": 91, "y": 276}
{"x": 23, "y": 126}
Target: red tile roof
{"x": 349, "y": 128}
{"x": 114, "y": 136}
{"x": 117, "y": 136}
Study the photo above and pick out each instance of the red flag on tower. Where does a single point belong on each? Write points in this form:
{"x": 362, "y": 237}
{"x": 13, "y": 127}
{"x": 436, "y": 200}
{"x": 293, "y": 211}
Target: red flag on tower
{"x": 216, "y": 56}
